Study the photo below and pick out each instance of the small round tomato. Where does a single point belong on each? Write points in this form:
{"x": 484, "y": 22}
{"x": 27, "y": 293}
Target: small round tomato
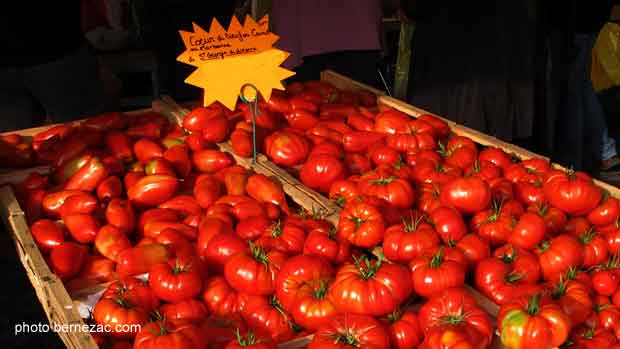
{"x": 47, "y": 234}
{"x": 165, "y": 335}
{"x": 395, "y": 191}
{"x": 573, "y": 193}
{"x": 449, "y": 224}
{"x": 119, "y": 313}
{"x": 324, "y": 243}
{"x": 187, "y": 311}
{"x": 574, "y": 299}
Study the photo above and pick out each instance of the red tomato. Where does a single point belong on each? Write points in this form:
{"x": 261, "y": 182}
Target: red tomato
{"x": 301, "y": 288}
{"x": 433, "y": 273}
{"x": 361, "y": 224}
{"x": 250, "y": 341}
{"x": 500, "y": 280}
{"x": 392, "y": 122}
{"x": 428, "y": 197}
{"x": 528, "y": 170}
{"x": 526, "y": 323}
{"x": 110, "y": 241}
{"x": 165, "y": 335}
{"x": 351, "y": 331}
{"x": 139, "y": 259}
{"x": 210, "y": 160}
{"x": 595, "y": 250}
{"x": 370, "y": 287}
{"x": 404, "y": 329}
{"x": 558, "y": 255}
{"x": 152, "y": 190}
{"x": 469, "y": 195}
{"x": 321, "y": 171}
{"x": 120, "y": 315}
{"x": 82, "y": 227}
{"x": 221, "y": 299}
{"x": 67, "y": 259}
{"x": 255, "y": 272}
{"x": 605, "y": 213}
{"x": 449, "y": 336}
{"x": 188, "y": 311}
{"x": 572, "y": 192}
{"x": 457, "y": 305}
{"x": 408, "y": 240}
{"x": 323, "y": 242}
{"x": 177, "y": 280}
{"x": 109, "y": 188}
{"x": 530, "y": 193}
{"x": 286, "y": 148}
{"x": 398, "y": 192}
{"x": 264, "y": 190}
{"x": 474, "y": 248}
{"x": 221, "y": 247}
{"x": 286, "y": 238}
{"x": 343, "y": 192}
{"x": 528, "y": 232}
{"x": 496, "y": 225}
{"x": 47, "y": 234}
{"x": 448, "y": 223}
{"x": 496, "y": 156}
{"x": 574, "y": 299}
{"x": 134, "y": 291}
{"x": 593, "y": 338}
{"x": 241, "y": 143}
{"x": 266, "y": 316}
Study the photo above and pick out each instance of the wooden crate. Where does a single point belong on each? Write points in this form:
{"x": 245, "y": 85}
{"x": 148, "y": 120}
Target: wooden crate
{"x": 57, "y": 302}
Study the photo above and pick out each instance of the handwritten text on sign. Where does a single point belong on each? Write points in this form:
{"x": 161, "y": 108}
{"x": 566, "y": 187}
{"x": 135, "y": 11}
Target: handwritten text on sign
{"x": 219, "y": 43}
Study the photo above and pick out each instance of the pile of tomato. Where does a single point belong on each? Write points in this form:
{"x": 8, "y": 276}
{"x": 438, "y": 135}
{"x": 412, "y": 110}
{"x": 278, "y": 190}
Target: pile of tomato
{"x": 203, "y": 253}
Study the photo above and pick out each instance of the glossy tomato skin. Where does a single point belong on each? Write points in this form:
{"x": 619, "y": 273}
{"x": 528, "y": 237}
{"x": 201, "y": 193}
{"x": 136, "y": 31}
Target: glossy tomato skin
{"x": 469, "y": 194}
{"x": 449, "y": 224}
{"x": 605, "y": 213}
{"x": 134, "y": 291}
{"x": 404, "y": 329}
{"x": 395, "y": 191}
{"x": 434, "y": 272}
{"x": 152, "y": 190}
{"x": 526, "y": 323}
{"x": 372, "y": 288}
{"x": 255, "y": 272}
{"x": 67, "y": 259}
{"x": 264, "y": 190}
{"x": 498, "y": 281}
{"x": 321, "y": 171}
{"x": 220, "y": 298}
{"x": 528, "y": 232}
{"x": 47, "y": 234}
{"x": 574, "y": 299}
{"x": 266, "y": 316}
{"x": 362, "y": 329}
{"x": 286, "y": 148}
{"x": 110, "y": 241}
{"x": 453, "y": 336}
{"x": 456, "y": 303}
{"x": 573, "y": 193}
{"x": 301, "y": 288}
{"x": 361, "y": 224}
{"x": 287, "y": 238}
{"x": 165, "y": 335}
{"x": 558, "y": 255}
{"x": 474, "y": 248}
{"x": 139, "y": 259}
{"x": 408, "y": 240}
{"x": 119, "y": 311}
{"x": 324, "y": 243}
{"x": 177, "y": 280}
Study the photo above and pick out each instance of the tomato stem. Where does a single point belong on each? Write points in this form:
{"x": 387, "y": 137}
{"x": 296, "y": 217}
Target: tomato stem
{"x": 250, "y": 339}
{"x": 321, "y": 291}
{"x": 384, "y": 181}
{"x": 533, "y": 306}
{"x": 276, "y": 229}
{"x": 259, "y": 254}
{"x": 587, "y": 236}
{"x": 437, "y": 259}
{"x": 366, "y": 269}
{"x": 357, "y": 221}
{"x": 513, "y": 277}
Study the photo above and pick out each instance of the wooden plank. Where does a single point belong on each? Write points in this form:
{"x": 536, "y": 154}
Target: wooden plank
{"x": 49, "y": 289}
{"x": 344, "y": 83}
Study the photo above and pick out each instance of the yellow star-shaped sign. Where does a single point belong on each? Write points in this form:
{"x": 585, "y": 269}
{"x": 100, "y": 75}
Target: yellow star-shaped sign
{"x": 229, "y": 59}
